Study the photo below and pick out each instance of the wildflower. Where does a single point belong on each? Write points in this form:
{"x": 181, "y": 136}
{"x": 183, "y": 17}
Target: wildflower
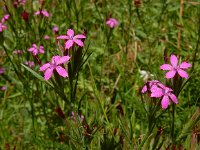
{"x": 35, "y": 50}
{"x": 158, "y": 90}
{"x": 2, "y": 27}
{"x": 46, "y": 37}
{"x": 55, "y": 29}
{"x": 74, "y": 117}
{"x": 2, "y": 70}
{"x": 71, "y": 39}
{"x": 175, "y": 68}
{"x": 25, "y": 15}
{"x": 112, "y": 22}
{"x": 19, "y": 2}
{"x": 55, "y": 63}
{"x": 43, "y": 13}
{"x": 19, "y": 52}
{"x": 5, "y": 18}
{"x": 3, "y": 88}
{"x": 151, "y": 85}
{"x": 166, "y": 94}
{"x": 30, "y": 63}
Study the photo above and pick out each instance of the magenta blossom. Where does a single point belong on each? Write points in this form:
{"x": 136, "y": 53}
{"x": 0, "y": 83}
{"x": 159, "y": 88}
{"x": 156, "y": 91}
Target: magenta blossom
{"x": 46, "y": 37}
{"x": 71, "y": 39}
{"x": 55, "y": 63}
{"x": 3, "y": 88}
{"x": 30, "y": 63}
{"x": 19, "y": 2}
{"x": 55, "y": 29}
{"x": 35, "y": 50}
{"x": 5, "y": 18}
{"x": 174, "y": 68}
{"x": 112, "y": 22}
{"x": 2, "y": 70}
{"x": 2, "y": 27}
{"x": 42, "y": 12}
{"x": 18, "y": 52}
{"x": 158, "y": 90}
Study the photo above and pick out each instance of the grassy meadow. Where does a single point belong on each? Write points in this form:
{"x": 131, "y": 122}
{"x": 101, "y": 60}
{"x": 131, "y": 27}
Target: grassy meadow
{"x": 100, "y": 74}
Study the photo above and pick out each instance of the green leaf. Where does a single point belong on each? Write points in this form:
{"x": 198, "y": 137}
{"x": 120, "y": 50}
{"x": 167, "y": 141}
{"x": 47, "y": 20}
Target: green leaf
{"x": 37, "y": 75}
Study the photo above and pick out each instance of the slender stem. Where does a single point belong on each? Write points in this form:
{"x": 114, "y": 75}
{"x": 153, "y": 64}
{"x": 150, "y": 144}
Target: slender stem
{"x": 172, "y": 125}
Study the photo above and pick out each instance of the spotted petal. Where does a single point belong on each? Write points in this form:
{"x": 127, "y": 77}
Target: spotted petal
{"x": 48, "y": 73}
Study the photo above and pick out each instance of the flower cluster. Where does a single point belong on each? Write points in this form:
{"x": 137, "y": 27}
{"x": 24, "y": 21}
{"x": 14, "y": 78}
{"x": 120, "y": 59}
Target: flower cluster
{"x": 2, "y": 26}
{"x": 19, "y": 2}
{"x": 112, "y": 22}
{"x": 158, "y": 90}
{"x": 42, "y": 13}
{"x": 35, "y": 50}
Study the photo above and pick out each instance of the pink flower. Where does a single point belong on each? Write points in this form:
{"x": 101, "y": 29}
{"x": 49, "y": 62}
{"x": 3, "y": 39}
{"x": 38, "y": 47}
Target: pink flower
{"x": 17, "y": 52}
{"x": 151, "y": 85}
{"x": 42, "y": 12}
{"x": 5, "y": 18}
{"x": 55, "y": 29}
{"x": 112, "y": 22}
{"x": 35, "y": 50}
{"x": 25, "y": 15}
{"x": 2, "y": 70}
{"x": 175, "y": 68}
{"x": 19, "y": 2}
{"x": 30, "y": 63}
{"x": 46, "y": 37}
{"x": 71, "y": 39}
{"x": 158, "y": 90}
{"x": 2, "y": 27}
{"x": 55, "y": 63}
{"x": 3, "y": 88}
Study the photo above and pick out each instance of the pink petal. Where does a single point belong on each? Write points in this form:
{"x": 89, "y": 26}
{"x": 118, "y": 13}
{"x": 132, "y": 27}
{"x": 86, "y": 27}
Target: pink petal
{"x": 63, "y": 37}
{"x": 173, "y": 98}
{"x": 45, "y": 66}
{"x": 79, "y": 42}
{"x": 182, "y": 73}
{"x": 166, "y": 67}
{"x": 156, "y": 92}
{"x": 41, "y": 50}
{"x": 45, "y": 13}
{"x": 69, "y": 44}
{"x": 54, "y": 59}
{"x": 63, "y": 60}
{"x": 37, "y": 12}
{"x": 185, "y": 65}
{"x": 144, "y": 89}
{"x": 48, "y": 73}
{"x": 174, "y": 61}
{"x": 80, "y": 36}
{"x": 70, "y": 32}
{"x": 170, "y": 74}
{"x": 31, "y": 49}
{"x": 61, "y": 71}
{"x": 108, "y": 22}
{"x": 165, "y": 102}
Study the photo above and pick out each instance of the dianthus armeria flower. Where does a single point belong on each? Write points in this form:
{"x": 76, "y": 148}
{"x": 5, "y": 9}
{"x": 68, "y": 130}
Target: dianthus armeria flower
{"x": 42, "y": 12}
{"x": 112, "y": 22}
{"x": 55, "y": 63}
{"x": 2, "y": 26}
{"x": 35, "y": 49}
{"x": 30, "y": 63}
{"x": 2, "y": 70}
{"x": 5, "y": 18}
{"x": 158, "y": 90}
{"x": 71, "y": 39}
{"x": 175, "y": 68}
{"x": 19, "y": 2}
